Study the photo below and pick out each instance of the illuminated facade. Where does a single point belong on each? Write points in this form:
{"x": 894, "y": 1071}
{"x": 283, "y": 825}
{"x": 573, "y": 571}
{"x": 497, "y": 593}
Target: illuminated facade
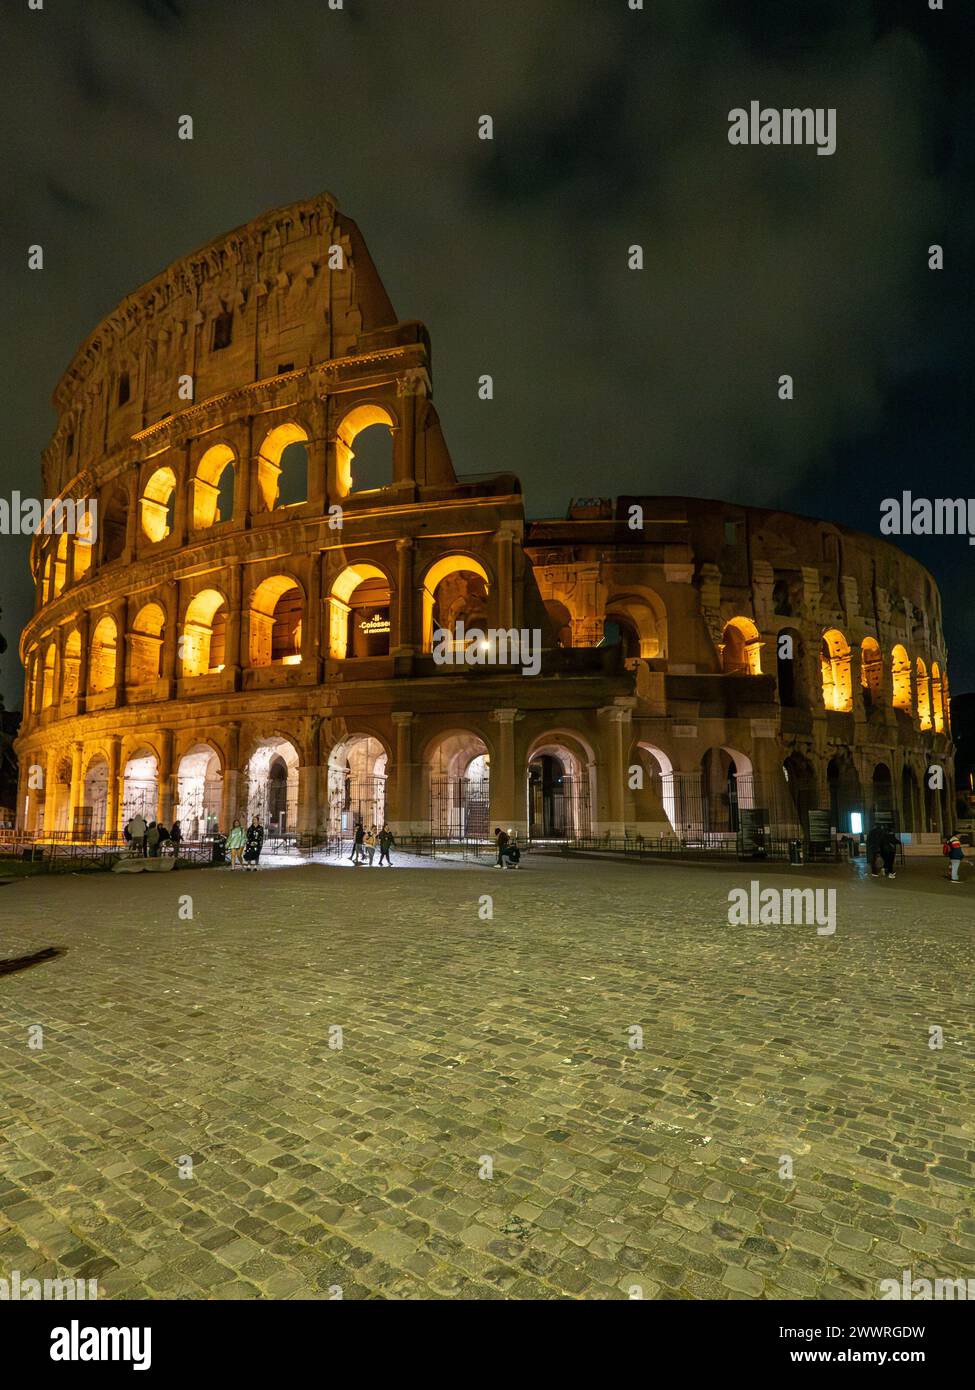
{"x": 280, "y": 534}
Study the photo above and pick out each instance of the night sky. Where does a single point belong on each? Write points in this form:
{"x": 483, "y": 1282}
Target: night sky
{"x": 611, "y": 128}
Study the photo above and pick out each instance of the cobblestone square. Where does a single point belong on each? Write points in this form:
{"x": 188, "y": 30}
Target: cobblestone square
{"x": 192, "y": 1128}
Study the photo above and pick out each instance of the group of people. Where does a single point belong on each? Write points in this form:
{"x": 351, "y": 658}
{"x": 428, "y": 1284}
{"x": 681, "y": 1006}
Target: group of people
{"x": 364, "y": 844}
{"x": 509, "y": 855}
{"x": 245, "y": 845}
{"x": 148, "y": 839}
{"x": 882, "y": 847}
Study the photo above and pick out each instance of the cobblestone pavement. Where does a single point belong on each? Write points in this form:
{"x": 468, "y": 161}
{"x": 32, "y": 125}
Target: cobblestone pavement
{"x": 470, "y": 1041}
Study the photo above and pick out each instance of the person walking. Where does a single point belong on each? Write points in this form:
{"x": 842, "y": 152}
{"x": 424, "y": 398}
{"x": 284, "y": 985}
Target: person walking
{"x": 357, "y": 840}
{"x": 152, "y": 840}
{"x": 501, "y": 840}
{"x": 255, "y": 843}
{"x": 955, "y": 856}
{"x": 875, "y": 838}
{"x": 386, "y": 841}
{"x": 889, "y": 845}
{"x": 137, "y": 829}
{"x": 370, "y": 844}
{"x": 236, "y": 841}
{"x": 175, "y": 836}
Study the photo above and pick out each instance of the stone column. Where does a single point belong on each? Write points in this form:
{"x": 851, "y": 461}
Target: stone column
{"x": 307, "y": 798}
{"x": 405, "y": 599}
{"x": 231, "y": 778}
{"x": 84, "y": 632}
{"x": 170, "y": 651}
{"x": 50, "y": 790}
{"x": 184, "y": 492}
{"x": 164, "y": 779}
{"x": 311, "y": 627}
{"x": 399, "y": 810}
{"x": 77, "y": 785}
{"x": 503, "y": 609}
{"x": 113, "y": 789}
{"x": 132, "y": 527}
{"x": 506, "y": 810}
{"x": 614, "y": 719}
{"x": 233, "y": 647}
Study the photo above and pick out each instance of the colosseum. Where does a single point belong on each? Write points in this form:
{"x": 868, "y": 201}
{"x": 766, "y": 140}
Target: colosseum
{"x": 250, "y": 626}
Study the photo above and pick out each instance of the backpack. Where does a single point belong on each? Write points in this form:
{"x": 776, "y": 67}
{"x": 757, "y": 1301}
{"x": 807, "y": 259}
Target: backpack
{"x": 946, "y": 848}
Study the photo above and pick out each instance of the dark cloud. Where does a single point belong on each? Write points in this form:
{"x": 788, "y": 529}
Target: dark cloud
{"x": 611, "y": 129}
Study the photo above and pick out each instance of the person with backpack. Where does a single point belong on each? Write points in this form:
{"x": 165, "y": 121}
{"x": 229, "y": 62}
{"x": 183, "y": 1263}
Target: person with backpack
{"x": 357, "y": 840}
{"x": 152, "y": 840}
{"x": 889, "y": 845}
{"x": 955, "y": 854}
{"x": 137, "y": 830}
{"x": 386, "y": 841}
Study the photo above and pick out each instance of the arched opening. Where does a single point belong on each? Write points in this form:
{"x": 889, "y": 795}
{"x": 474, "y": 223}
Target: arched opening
{"x": 61, "y": 564}
{"x": 101, "y": 661}
{"x": 276, "y": 611}
{"x": 803, "y": 792}
{"x": 900, "y": 669}
{"x": 158, "y": 504}
{"x": 72, "y": 666}
{"x": 728, "y": 788}
{"x": 640, "y": 618}
{"x": 213, "y": 487}
{"x": 204, "y": 640}
{"x": 834, "y": 657}
{"x": 871, "y": 673}
{"x": 84, "y": 542}
{"x": 883, "y": 795}
{"x": 146, "y": 645}
{"x": 272, "y": 787}
{"x": 923, "y": 694}
{"x": 665, "y": 796}
{"x": 910, "y": 801}
{"x": 47, "y": 679}
{"x": 364, "y": 450}
{"x": 356, "y": 784}
{"x": 140, "y": 786}
{"x": 283, "y": 482}
{"x": 199, "y": 789}
{"x": 113, "y": 522}
{"x": 93, "y": 813}
{"x": 845, "y": 795}
{"x": 61, "y": 823}
{"x": 937, "y": 699}
{"x": 619, "y": 631}
{"x": 455, "y": 590}
{"x": 459, "y": 772}
{"x": 741, "y": 648}
{"x": 789, "y": 653}
{"x": 561, "y": 620}
{"x": 559, "y": 791}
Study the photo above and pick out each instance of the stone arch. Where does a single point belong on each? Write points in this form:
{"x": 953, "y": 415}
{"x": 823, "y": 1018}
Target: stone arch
{"x": 83, "y": 548}
{"x": 157, "y": 504}
{"x": 203, "y": 646}
{"x": 93, "y": 812}
{"x": 457, "y": 772}
{"x": 140, "y": 783}
{"x": 727, "y": 788}
{"x": 214, "y": 486}
{"x": 937, "y": 699}
{"x": 871, "y": 673}
{"x": 113, "y": 523}
{"x": 272, "y": 785}
{"x": 835, "y": 658}
{"x": 199, "y": 790}
{"x": 103, "y": 656}
{"x": 72, "y": 666}
{"x": 882, "y": 794}
{"x": 741, "y": 648}
{"x": 664, "y": 790}
{"x": 923, "y": 694}
{"x": 60, "y": 575}
{"x": 270, "y": 465}
{"x": 49, "y": 676}
{"x": 146, "y": 644}
{"x": 560, "y": 770}
{"x": 900, "y": 670}
{"x": 845, "y": 792}
{"x": 357, "y": 771}
{"x": 790, "y": 669}
{"x": 644, "y": 612}
{"x": 355, "y": 422}
{"x": 276, "y": 618}
{"x": 358, "y": 580}
{"x": 442, "y": 610}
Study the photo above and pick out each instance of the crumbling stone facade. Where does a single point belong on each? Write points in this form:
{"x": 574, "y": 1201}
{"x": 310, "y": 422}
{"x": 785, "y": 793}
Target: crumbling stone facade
{"x": 281, "y": 533}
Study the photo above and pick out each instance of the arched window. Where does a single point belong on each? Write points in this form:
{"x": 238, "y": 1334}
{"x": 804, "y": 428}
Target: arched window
{"x": 84, "y": 542}
{"x": 455, "y": 591}
{"x": 213, "y": 487}
{"x": 937, "y": 699}
{"x": 741, "y": 648}
{"x": 788, "y": 668}
{"x": 900, "y": 669}
{"x": 113, "y": 524}
{"x": 871, "y": 673}
{"x": 619, "y": 631}
{"x": 204, "y": 634}
{"x": 61, "y": 564}
{"x": 158, "y": 504}
{"x": 360, "y": 615}
{"x": 923, "y": 694}
{"x": 276, "y": 611}
{"x": 282, "y": 482}
{"x": 364, "y": 449}
{"x": 101, "y": 663}
{"x": 834, "y": 655}
{"x": 47, "y": 685}
{"x": 145, "y": 645}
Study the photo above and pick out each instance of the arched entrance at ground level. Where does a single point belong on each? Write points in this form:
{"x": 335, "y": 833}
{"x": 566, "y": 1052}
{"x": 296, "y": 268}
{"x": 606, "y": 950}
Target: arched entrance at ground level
{"x": 93, "y": 812}
{"x": 199, "y": 791}
{"x": 272, "y": 787}
{"x": 884, "y": 809}
{"x": 845, "y": 794}
{"x": 802, "y": 791}
{"x": 910, "y": 802}
{"x": 727, "y": 789}
{"x": 663, "y": 796}
{"x": 61, "y": 792}
{"x": 356, "y": 784}
{"x": 140, "y": 787}
{"x": 458, "y": 769}
{"x": 559, "y": 797}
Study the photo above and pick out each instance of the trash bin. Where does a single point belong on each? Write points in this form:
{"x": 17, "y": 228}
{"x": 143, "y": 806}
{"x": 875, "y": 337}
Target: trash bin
{"x": 795, "y": 851}
{"x": 218, "y": 850}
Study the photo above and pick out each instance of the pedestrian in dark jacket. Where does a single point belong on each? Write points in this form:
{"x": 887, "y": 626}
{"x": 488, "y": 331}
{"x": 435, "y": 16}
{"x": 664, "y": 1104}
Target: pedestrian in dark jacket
{"x": 175, "y": 836}
{"x": 501, "y": 840}
{"x": 875, "y": 839}
{"x": 357, "y": 843}
{"x": 889, "y": 846}
{"x": 386, "y": 841}
{"x": 255, "y": 843}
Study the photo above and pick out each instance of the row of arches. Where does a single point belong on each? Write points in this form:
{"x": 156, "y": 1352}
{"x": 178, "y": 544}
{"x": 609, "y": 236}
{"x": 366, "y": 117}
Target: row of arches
{"x": 912, "y": 688}
{"x": 359, "y": 623}
{"x": 217, "y": 484}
